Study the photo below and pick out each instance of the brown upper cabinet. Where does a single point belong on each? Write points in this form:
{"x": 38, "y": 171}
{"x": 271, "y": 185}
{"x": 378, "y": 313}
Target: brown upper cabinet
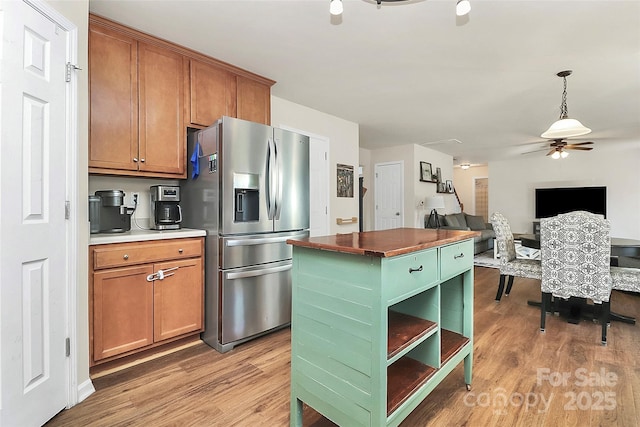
{"x": 137, "y": 106}
{"x": 254, "y": 101}
{"x": 213, "y": 93}
{"x": 144, "y": 92}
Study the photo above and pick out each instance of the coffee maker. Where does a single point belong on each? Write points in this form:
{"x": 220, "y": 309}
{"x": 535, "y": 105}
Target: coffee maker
{"x": 165, "y": 208}
{"x": 107, "y": 212}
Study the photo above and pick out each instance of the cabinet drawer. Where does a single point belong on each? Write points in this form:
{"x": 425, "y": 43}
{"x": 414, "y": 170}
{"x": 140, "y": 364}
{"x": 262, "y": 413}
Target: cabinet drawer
{"x": 121, "y": 254}
{"x": 456, "y": 258}
{"x": 405, "y": 274}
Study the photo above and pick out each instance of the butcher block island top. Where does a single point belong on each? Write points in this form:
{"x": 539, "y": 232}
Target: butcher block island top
{"x": 379, "y": 319}
{"x": 385, "y": 243}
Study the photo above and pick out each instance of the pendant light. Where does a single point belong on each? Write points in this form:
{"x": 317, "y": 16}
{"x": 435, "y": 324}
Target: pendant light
{"x": 565, "y": 127}
{"x": 463, "y": 7}
{"x": 335, "y": 7}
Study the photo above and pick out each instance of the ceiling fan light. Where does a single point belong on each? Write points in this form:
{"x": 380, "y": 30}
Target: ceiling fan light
{"x": 335, "y": 7}
{"x": 565, "y": 128}
{"x": 555, "y": 155}
{"x": 564, "y": 154}
{"x": 463, "y": 7}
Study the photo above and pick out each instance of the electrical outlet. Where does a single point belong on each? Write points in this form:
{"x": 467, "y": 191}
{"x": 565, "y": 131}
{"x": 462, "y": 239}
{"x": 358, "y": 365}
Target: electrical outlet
{"x": 134, "y": 198}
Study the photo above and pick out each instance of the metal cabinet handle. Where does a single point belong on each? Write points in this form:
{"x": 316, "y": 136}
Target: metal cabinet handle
{"x": 411, "y": 270}
{"x": 125, "y": 256}
{"x": 135, "y": 159}
{"x": 458, "y": 256}
{"x": 180, "y": 250}
{"x": 142, "y": 160}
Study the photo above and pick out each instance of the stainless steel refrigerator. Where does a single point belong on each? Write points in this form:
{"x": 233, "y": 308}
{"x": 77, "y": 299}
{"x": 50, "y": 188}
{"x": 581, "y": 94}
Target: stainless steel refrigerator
{"x": 248, "y": 187}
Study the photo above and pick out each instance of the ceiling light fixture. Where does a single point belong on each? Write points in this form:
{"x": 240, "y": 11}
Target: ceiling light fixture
{"x": 463, "y": 7}
{"x": 465, "y": 166}
{"x": 559, "y": 153}
{"x": 565, "y": 127}
{"x": 335, "y": 7}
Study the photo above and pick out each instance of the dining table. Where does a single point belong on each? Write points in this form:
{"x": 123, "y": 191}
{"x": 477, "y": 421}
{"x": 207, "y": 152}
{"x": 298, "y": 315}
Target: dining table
{"x": 578, "y": 308}
{"x": 619, "y": 246}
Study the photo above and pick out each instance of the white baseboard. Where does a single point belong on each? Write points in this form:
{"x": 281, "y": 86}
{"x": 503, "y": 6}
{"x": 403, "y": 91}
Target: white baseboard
{"x": 85, "y": 390}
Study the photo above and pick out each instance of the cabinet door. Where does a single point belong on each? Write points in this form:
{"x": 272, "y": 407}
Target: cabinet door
{"x": 178, "y": 299}
{"x": 213, "y": 93}
{"x": 161, "y": 96}
{"x": 122, "y": 310}
{"x": 254, "y": 101}
{"x": 113, "y": 97}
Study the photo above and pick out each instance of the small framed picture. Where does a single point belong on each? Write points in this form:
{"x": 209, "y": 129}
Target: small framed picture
{"x": 442, "y": 187}
{"x": 439, "y": 175}
{"x": 449, "y": 186}
{"x": 345, "y": 180}
{"x": 425, "y": 172}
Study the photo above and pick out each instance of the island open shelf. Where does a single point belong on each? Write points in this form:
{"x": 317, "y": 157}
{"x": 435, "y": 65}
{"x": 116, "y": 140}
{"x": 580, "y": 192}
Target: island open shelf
{"x": 379, "y": 319}
{"x": 405, "y": 330}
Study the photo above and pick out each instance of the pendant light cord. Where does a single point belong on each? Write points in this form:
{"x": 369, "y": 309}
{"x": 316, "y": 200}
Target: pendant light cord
{"x": 564, "y": 113}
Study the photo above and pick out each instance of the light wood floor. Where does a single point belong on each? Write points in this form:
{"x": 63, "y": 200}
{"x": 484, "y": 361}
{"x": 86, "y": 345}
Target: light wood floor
{"x": 521, "y": 377}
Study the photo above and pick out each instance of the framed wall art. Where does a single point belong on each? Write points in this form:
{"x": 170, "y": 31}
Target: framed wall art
{"x": 449, "y": 186}
{"x": 345, "y": 180}
{"x": 426, "y": 175}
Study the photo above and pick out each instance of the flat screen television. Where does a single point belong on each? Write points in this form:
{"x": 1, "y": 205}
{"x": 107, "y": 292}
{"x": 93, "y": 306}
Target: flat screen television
{"x": 554, "y": 201}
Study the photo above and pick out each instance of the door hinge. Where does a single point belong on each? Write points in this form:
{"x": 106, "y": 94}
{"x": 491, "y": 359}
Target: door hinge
{"x": 67, "y": 209}
{"x": 67, "y": 347}
{"x": 70, "y": 67}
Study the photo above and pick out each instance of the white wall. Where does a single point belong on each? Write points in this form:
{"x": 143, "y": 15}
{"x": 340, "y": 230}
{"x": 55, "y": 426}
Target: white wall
{"x": 343, "y": 138}
{"x": 512, "y": 183}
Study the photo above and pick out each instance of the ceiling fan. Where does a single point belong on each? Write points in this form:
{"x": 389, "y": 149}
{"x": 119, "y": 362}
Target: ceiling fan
{"x": 558, "y": 148}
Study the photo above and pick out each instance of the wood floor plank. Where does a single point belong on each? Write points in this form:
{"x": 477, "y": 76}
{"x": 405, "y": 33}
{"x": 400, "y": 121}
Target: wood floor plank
{"x": 513, "y": 362}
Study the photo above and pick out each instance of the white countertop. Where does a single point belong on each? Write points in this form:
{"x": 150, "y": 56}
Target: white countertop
{"x": 138, "y": 235}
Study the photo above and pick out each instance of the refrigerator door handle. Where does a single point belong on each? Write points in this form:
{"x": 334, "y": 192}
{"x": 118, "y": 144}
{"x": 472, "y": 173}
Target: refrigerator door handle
{"x": 262, "y": 241}
{"x": 278, "y": 180}
{"x": 271, "y": 170}
{"x": 260, "y": 272}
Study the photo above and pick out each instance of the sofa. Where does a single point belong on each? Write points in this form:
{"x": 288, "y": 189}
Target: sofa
{"x": 464, "y": 221}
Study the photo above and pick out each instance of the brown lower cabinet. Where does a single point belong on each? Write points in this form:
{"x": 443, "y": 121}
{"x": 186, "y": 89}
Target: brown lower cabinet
{"x": 143, "y": 295}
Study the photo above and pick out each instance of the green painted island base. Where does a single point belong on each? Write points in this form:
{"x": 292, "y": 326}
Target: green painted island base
{"x": 373, "y": 336}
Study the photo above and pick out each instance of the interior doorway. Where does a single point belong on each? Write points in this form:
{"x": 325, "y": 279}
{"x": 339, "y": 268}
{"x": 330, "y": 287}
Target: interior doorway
{"x": 389, "y": 195}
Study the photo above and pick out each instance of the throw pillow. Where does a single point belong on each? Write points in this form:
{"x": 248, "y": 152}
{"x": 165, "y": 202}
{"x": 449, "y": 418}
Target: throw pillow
{"x": 451, "y": 221}
{"x": 462, "y": 221}
{"x": 475, "y": 222}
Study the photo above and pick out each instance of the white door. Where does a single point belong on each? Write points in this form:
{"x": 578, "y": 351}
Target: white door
{"x": 389, "y": 195}
{"x": 33, "y": 229}
{"x": 318, "y": 186}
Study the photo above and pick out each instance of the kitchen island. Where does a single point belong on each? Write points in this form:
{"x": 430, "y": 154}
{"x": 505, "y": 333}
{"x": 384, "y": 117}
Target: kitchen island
{"x": 379, "y": 319}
